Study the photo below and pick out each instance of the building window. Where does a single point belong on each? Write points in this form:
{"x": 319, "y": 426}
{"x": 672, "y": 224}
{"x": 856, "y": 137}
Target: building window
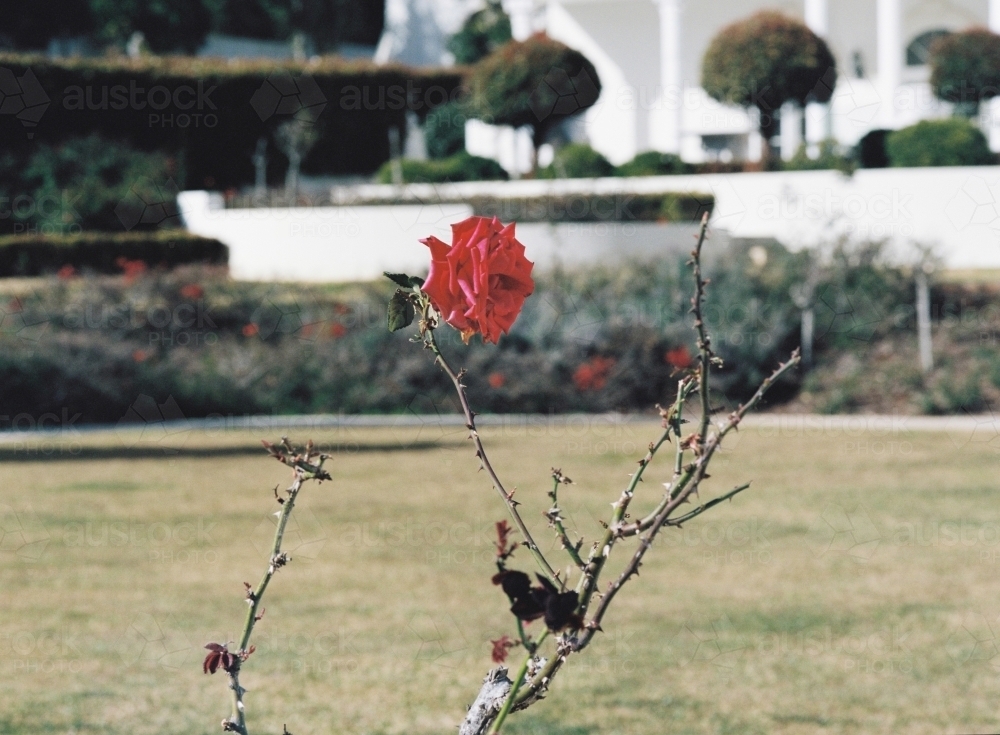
{"x": 919, "y": 51}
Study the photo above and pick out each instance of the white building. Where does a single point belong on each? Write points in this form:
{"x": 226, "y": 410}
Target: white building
{"x": 648, "y": 54}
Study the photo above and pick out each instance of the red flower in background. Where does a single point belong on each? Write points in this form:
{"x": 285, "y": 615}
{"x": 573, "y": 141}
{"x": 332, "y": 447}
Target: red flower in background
{"x": 593, "y": 374}
{"x": 132, "y": 269}
{"x": 480, "y": 282}
{"x": 679, "y": 357}
{"x": 192, "y": 291}
{"x": 497, "y": 380}
{"x": 337, "y": 330}
{"x": 66, "y": 272}
{"x": 250, "y": 330}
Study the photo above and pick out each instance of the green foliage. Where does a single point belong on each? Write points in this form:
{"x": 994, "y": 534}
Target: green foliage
{"x": 950, "y": 142}
{"x": 30, "y": 25}
{"x": 459, "y": 167}
{"x": 595, "y": 207}
{"x": 254, "y": 18}
{"x": 830, "y": 157}
{"x": 78, "y": 185}
{"x": 577, "y": 161}
{"x": 765, "y": 61}
{"x": 617, "y": 322}
{"x": 654, "y": 163}
{"x": 965, "y": 68}
{"x": 101, "y": 252}
{"x": 181, "y": 25}
{"x": 537, "y": 82}
{"x": 400, "y": 311}
{"x": 482, "y": 33}
{"x": 444, "y": 130}
{"x": 168, "y": 25}
{"x": 215, "y": 139}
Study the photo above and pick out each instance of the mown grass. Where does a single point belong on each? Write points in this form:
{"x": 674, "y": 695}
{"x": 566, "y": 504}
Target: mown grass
{"x": 853, "y": 589}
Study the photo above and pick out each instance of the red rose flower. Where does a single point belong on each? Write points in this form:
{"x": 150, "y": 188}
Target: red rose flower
{"x": 479, "y": 284}
{"x": 679, "y": 357}
{"x": 593, "y": 374}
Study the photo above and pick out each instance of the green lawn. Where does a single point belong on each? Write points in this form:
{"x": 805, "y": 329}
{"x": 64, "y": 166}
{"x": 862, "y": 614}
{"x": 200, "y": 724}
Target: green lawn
{"x": 854, "y": 589}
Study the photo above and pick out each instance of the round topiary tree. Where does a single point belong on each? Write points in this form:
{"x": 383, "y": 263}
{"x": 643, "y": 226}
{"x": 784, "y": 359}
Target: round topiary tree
{"x": 765, "y": 61}
{"x": 482, "y": 33}
{"x": 537, "y": 82}
{"x": 965, "y": 69}
{"x": 949, "y": 142}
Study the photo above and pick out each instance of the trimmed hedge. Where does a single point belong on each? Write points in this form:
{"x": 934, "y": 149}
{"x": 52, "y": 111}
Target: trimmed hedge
{"x": 35, "y": 255}
{"x": 212, "y": 112}
{"x": 596, "y": 208}
{"x": 953, "y": 141}
{"x": 459, "y": 167}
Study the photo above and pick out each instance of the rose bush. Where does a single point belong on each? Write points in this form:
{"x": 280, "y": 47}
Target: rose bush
{"x": 480, "y": 282}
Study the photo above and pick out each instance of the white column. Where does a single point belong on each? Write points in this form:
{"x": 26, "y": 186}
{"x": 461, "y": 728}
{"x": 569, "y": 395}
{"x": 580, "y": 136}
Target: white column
{"x": 889, "y": 30}
{"x": 992, "y": 122}
{"x": 817, "y": 16}
{"x": 522, "y": 17}
{"x": 671, "y": 82}
{"x": 791, "y": 130}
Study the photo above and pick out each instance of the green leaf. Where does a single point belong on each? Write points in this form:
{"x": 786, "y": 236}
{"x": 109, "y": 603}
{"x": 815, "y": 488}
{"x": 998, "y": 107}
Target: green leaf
{"x": 400, "y": 279}
{"x": 400, "y": 311}
{"x": 416, "y": 281}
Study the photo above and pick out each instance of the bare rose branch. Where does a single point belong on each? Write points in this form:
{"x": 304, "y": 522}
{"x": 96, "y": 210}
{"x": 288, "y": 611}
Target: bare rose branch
{"x": 306, "y": 464}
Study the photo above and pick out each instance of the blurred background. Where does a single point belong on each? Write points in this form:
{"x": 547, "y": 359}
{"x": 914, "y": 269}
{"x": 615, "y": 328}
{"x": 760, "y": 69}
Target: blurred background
{"x": 198, "y": 199}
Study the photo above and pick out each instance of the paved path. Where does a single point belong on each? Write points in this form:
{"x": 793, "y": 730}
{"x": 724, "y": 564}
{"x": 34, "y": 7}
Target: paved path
{"x": 984, "y": 426}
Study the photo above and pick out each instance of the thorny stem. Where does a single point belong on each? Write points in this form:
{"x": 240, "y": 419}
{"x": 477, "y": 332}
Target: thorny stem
{"x": 691, "y": 486}
{"x": 677, "y": 492}
{"x": 511, "y": 699}
{"x": 555, "y": 518}
{"x": 302, "y": 471}
{"x": 470, "y": 424}
{"x": 704, "y": 341}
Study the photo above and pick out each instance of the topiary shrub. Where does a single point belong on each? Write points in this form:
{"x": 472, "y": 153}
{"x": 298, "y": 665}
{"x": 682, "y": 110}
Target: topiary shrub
{"x": 965, "y": 68}
{"x": 482, "y": 33}
{"x": 870, "y": 151}
{"x": 538, "y": 82}
{"x": 654, "y": 163}
{"x": 459, "y": 167}
{"x": 444, "y": 130}
{"x": 951, "y": 142}
{"x": 765, "y": 61}
{"x": 577, "y": 161}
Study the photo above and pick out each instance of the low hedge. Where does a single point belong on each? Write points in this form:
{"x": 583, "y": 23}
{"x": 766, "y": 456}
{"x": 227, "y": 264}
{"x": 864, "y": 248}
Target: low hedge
{"x": 35, "y": 255}
{"x": 459, "y": 167}
{"x": 953, "y": 141}
{"x": 668, "y": 207}
{"x": 212, "y": 112}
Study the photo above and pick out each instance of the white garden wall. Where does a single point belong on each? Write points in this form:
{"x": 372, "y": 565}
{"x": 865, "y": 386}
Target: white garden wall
{"x": 955, "y": 210}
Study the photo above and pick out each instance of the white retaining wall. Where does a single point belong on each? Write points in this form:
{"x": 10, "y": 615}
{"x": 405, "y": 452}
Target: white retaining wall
{"x": 954, "y": 210}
